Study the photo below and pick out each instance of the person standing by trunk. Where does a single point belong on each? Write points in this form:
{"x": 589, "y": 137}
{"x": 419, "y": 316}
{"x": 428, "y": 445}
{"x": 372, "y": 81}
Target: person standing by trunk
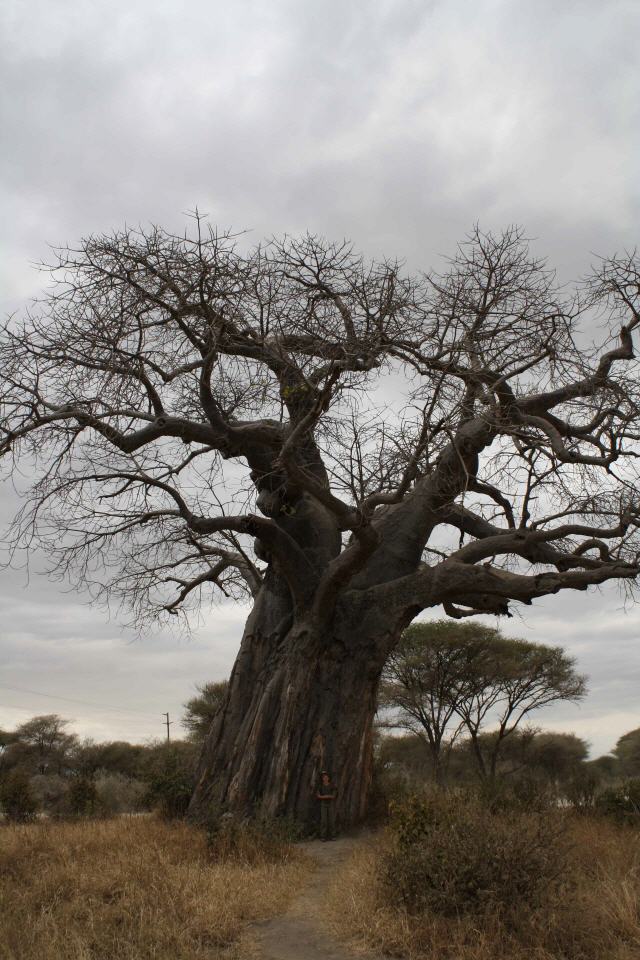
{"x": 327, "y": 796}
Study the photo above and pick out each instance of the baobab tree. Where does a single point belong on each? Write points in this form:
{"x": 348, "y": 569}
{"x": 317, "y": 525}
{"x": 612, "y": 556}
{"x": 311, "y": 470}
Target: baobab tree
{"x": 343, "y": 442}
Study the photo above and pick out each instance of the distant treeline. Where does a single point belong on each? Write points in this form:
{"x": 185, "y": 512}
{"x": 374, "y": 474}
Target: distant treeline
{"x": 44, "y": 768}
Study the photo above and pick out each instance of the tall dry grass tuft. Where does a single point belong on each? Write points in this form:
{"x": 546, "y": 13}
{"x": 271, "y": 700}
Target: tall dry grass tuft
{"x": 595, "y": 916}
{"x": 132, "y": 888}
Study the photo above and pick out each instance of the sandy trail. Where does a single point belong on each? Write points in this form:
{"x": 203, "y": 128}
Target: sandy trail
{"x": 299, "y": 934}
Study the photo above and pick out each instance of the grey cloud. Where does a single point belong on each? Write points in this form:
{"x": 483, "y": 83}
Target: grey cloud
{"x": 67, "y": 652}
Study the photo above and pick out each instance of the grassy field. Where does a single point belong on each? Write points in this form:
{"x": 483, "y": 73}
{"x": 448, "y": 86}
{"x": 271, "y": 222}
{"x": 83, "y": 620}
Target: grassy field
{"x": 595, "y": 917}
{"x": 133, "y": 888}
{"x": 137, "y": 888}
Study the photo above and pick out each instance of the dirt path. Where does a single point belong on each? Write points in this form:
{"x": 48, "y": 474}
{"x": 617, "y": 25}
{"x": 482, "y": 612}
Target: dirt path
{"x": 299, "y": 934}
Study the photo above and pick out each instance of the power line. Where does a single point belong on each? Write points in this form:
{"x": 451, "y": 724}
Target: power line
{"x": 86, "y": 703}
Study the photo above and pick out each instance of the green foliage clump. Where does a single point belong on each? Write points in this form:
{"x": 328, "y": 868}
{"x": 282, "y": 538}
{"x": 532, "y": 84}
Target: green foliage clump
{"x": 17, "y": 799}
{"x": 452, "y": 855}
{"x": 621, "y": 802}
{"x": 118, "y": 794}
{"x": 580, "y": 792}
{"x": 83, "y": 797}
{"x": 52, "y": 793}
{"x": 521, "y": 794}
{"x": 627, "y": 753}
{"x": 201, "y": 709}
{"x": 170, "y": 784}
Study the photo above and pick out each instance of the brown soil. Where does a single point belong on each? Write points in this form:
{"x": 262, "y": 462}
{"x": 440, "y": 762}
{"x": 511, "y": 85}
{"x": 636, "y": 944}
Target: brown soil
{"x": 300, "y": 934}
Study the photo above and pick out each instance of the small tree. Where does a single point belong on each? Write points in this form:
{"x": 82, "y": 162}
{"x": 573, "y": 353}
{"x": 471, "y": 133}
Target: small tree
{"x": 6, "y": 739}
{"x": 47, "y": 742}
{"x": 445, "y": 677}
{"x": 425, "y": 679}
{"x": 170, "y": 782}
{"x": 506, "y": 684}
{"x": 16, "y": 796}
{"x": 558, "y": 757}
{"x": 627, "y": 752}
{"x": 83, "y": 796}
{"x": 201, "y": 709}
{"x": 118, "y": 756}
{"x": 605, "y": 767}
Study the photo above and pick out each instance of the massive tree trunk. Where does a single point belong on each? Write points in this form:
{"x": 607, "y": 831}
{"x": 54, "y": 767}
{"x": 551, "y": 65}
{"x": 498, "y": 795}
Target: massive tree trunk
{"x": 299, "y": 702}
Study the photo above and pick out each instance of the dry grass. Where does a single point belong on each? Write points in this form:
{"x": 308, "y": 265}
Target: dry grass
{"x": 597, "y": 917}
{"x": 130, "y": 889}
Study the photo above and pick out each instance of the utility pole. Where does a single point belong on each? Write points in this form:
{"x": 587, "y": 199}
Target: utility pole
{"x": 168, "y": 723}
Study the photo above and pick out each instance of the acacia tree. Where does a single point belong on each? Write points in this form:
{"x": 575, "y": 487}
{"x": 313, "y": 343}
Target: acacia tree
{"x": 425, "y": 680}
{"x": 627, "y": 753}
{"x": 515, "y": 678}
{"x": 200, "y": 710}
{"x": 207, "y": 418}
{"x": 46, "y": 741}
{"x": 556, "y": 756}
{"x": 445, "y": 677}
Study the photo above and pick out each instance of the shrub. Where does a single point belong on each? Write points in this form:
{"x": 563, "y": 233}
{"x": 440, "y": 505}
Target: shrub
{"x": 83, "y": 797}
{"x": 19, "y": 804}
{"x": 452, "y": 855}
{"x": 580, "y": 791}
{"x": 526, "y": 794}
{"x": 595, "y": 917}
{"x": 52, "y": 793}
{"x": 621, "y": 803}
{"x": 118, "y": 794}
{"x": 170, "y": 785}
{"x": 389, "y": 788}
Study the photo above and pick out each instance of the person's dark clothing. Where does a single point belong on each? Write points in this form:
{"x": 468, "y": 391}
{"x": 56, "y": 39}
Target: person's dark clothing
{"x": 327, "y": 797}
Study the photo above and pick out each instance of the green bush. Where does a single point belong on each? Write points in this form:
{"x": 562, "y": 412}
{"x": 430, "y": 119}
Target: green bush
{"x": 17, "y": 799}
{"x": 170, "y": 785}
{"x": 83, "y": 797}
{"x": 453, "y": 855}
{"x": 526, "y": 794}
{"x": 52, "y": 793}
{"x": 118, "y": 794}
{"x": 621, "y": 803}
{"x": 580, "y": 792}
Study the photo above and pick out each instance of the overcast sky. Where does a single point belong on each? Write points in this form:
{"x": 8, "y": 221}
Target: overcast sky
{"x": 396, "y": 123}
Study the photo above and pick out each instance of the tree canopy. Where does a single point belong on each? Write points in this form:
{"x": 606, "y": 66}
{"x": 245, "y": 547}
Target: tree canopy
{"x": 42, "y": 743}
{"x": 446, "y": 678}
{"x": 170, "y": 386}
{"x": 428, "y": 676}
{"x": 201, "y": 709}
{"x": 627, "y": 753}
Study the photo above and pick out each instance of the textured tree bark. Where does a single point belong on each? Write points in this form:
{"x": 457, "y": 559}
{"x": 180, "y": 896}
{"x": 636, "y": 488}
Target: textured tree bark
{"x": 298, "y": 703}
